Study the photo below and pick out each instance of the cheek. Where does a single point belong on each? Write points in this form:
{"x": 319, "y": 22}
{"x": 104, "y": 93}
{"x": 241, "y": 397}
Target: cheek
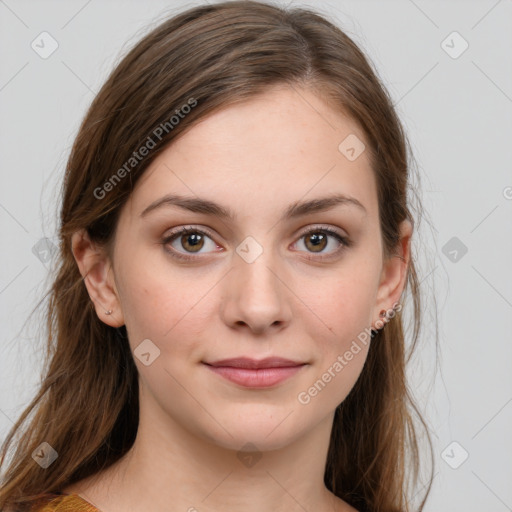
{"x": 345, "y": 306}
{"x": 164, "y": 304}
{"x": 342, "y": 309}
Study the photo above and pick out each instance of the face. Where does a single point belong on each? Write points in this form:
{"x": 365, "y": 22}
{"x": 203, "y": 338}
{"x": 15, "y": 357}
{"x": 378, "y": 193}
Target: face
{"x": 256, "y": 283}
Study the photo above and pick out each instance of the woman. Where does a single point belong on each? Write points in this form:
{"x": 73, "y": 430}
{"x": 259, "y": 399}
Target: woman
{"x": 225, "y": 327}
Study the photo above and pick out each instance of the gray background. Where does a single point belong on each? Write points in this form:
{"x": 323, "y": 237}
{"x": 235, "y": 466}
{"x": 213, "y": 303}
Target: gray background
{"x": 457, "y": 112}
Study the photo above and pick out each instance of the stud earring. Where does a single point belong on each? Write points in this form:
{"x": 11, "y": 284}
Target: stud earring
{"x": 374, "y": 332}
{"x": 109, "y": 312}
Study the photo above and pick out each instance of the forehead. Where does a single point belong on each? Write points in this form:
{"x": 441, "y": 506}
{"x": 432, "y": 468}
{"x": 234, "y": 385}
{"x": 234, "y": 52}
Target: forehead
{"x": 274, "y": 149}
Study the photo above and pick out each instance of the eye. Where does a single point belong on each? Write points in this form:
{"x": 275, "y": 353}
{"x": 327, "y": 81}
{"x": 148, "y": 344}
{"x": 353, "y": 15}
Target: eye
{"x": 192, "y": 240}
{"x": 317, "y": 239}
{"x": 189, "y": 238}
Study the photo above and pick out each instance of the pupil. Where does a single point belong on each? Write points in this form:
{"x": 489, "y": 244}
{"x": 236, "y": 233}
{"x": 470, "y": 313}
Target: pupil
{"x": 196, "y": 237}
{"x": 318, "y": 239}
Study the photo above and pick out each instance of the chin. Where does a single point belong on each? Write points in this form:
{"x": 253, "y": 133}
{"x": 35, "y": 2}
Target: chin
{"x": 252, "y": 441}
{"x": 266, "y": 433}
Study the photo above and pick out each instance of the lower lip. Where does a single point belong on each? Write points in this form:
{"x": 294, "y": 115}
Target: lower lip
{"x": 256, "y": 378}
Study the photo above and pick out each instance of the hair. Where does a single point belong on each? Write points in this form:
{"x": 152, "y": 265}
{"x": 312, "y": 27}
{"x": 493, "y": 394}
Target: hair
{"x": 210, "y": 57}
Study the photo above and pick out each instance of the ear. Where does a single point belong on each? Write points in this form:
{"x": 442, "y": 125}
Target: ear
{"x": 96, "y": 269}
{"x": 394, "y": 272}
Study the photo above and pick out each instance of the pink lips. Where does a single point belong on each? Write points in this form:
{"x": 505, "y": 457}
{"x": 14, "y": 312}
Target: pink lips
{"x": 256, "y": 374}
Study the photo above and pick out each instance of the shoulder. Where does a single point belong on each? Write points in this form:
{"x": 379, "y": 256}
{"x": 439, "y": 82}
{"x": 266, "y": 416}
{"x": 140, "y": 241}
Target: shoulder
{"x": 63, "y": 503}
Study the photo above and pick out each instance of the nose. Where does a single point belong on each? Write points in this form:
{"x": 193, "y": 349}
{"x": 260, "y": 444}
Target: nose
{"x": 255, "y": 295}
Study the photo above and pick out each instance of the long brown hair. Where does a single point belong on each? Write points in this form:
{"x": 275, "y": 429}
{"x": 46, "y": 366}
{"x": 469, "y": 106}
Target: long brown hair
{"x": 209, "y": 57}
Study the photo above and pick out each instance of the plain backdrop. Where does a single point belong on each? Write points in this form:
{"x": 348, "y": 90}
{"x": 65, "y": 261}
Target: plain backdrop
{"x": 448, "y": 67}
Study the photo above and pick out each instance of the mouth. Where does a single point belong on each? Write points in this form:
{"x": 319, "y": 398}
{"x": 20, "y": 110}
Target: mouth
{"x": 252, "y": 373}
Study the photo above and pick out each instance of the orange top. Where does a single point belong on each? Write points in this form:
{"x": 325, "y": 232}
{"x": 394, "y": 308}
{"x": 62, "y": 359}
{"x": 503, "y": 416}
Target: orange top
{"x": 66, "y": 503}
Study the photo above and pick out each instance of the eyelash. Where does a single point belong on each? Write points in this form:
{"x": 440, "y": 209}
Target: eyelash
{"x": 344, "y": 241}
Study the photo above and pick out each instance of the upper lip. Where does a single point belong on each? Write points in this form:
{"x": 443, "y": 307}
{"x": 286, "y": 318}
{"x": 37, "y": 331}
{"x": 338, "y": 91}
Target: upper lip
{"x": 247, "y": 362}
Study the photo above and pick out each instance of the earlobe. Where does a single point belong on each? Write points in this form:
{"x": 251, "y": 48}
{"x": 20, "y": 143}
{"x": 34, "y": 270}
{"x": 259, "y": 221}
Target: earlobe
{"x": 96, "y": 269}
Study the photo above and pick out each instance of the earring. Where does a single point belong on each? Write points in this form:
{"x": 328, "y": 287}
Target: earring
{"x": 374, "y": 332}
{"x": 109, "y": 312}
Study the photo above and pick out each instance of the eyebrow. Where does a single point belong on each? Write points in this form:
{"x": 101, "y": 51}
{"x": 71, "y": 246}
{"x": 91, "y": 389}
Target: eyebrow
{"x": 297, "y": 209}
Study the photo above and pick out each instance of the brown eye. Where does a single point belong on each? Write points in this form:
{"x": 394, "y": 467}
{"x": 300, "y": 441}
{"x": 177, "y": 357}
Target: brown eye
{"x": 316, "y": 241}
{"x": 189, "y": 241}
{"x": 192, "y": 242}
{"x": 322, "y": 243}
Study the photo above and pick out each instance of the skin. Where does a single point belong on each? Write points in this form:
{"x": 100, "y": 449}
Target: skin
{"x": 255, "y": 158}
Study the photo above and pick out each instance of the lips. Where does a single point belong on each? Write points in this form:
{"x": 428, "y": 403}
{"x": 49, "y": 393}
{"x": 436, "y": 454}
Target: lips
{"x": 252, "y": 373}
{"x": 246, "y": 362}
